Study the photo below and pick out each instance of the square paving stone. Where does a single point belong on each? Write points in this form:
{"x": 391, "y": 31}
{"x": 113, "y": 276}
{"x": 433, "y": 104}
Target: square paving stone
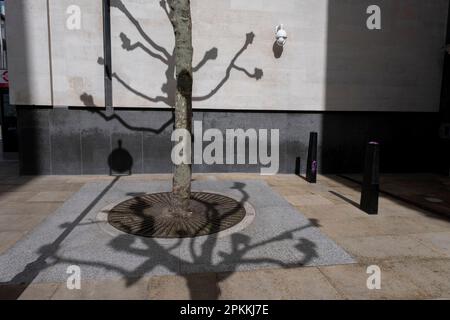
{"x": 278, "y": 237}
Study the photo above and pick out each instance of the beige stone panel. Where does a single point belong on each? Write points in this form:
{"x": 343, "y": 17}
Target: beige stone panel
{"x": 329, "y": 214}
{"x": 28, "y": 52}
{"x": 296, "y": 283}
{"x": 75, "y": 53}
{"x": 9, "y": 238}
{"x": 330, "y": 62}
{"x": 431, "y": 275}
{"x": 386, "y": 247}
{"x": 51, "y": 196}
{"x": 142, "y": 44}
{"x": 308, "y": 200}
{"x": 27, "y": 208}
{"x": 439, "y": 241}
{"x": 226, "y": 29}
{"x": 374, "y": 225}
{"x": 193, "y": 286}
{"x": 114, "y": 289}
{"x": 38, "y": 187}
{"x": 16, "y": 196}
{"x": 351, "y": 282}
{"x": 39, "y": 291}
{"x": 20, "y": 223}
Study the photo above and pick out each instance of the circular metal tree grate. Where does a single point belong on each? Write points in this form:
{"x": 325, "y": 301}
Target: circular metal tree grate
{"x": 149, "y": 215}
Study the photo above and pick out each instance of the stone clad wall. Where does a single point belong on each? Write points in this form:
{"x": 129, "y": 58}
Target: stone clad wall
{"x": 80, "y": 141}
{"x": 73, "y": 53}
{"x": 331, "y": 60}
{"x": 390, "y": 79}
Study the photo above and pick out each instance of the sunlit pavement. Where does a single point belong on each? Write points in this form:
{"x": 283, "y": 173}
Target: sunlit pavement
{"x": 410, "y": 245}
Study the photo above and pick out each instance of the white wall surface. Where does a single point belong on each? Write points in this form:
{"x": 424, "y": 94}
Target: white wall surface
{"x": 75, "y": 52}
{"x": 331, "y": 60}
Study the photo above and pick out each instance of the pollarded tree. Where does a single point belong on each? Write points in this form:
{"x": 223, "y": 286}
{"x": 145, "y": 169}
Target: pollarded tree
{"x": 180, "y": 17}
{"x": 177, "y": 90}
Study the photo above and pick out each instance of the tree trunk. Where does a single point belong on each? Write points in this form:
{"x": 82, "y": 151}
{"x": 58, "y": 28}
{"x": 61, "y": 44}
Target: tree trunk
{"x": 182, "y": 25}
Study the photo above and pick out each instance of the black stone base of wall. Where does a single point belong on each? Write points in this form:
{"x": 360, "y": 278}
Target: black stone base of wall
{"x": 80, "y": 141}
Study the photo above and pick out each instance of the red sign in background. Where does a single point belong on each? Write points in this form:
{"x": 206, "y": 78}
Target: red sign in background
{"x": 4, "y": 82}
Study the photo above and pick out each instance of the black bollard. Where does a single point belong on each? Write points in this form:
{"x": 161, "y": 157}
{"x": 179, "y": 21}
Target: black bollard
{"x": 297, "y": 166}
{"x": 311, "y": 164}
{"x": 371, "y": 180}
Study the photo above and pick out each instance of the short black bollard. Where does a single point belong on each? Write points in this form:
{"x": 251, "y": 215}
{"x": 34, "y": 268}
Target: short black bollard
{"x": 311, "y": 164}
{"x": 297, "y": 166}
{"x": 371, "y": 179}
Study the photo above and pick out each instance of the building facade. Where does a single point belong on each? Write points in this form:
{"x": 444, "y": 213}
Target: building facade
{"x": 86, "y": 76}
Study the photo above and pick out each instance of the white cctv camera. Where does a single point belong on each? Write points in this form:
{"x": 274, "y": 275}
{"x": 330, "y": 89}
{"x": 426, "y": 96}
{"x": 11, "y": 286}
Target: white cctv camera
{"x": 280, "y": 35}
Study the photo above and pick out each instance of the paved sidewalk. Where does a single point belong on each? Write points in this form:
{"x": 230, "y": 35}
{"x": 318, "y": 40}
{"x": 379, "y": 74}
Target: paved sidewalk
{"x": 426, "y": 191}
{"x": 278, "y": 236}
{"x": 410, "y": 245}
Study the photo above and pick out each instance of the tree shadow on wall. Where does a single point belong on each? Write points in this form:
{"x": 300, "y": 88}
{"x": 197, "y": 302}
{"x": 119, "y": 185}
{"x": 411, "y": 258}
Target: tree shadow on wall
{"x": 162, "y": 54}
{"x": 120, "y": 161}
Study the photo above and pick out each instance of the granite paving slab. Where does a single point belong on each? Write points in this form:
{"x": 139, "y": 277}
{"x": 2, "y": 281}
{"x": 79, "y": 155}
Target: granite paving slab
{"x": 279, "y": 236}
